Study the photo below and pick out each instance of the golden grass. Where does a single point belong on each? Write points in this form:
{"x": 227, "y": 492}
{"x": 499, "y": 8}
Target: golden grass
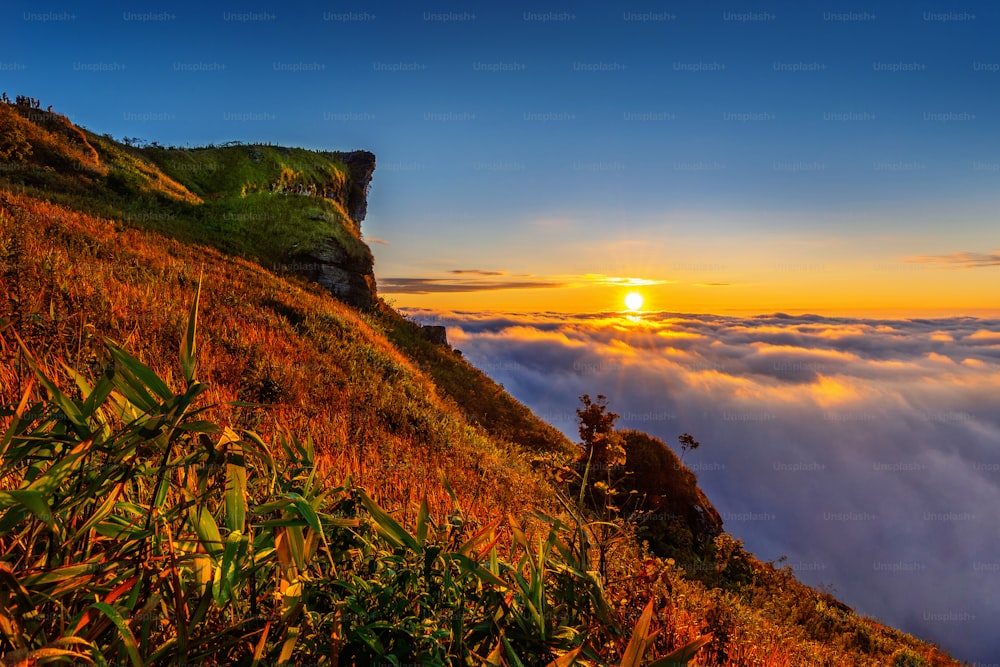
{"x": 283, "y": 358}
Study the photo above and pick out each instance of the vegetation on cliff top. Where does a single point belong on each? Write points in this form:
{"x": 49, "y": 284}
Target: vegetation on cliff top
{"x": 237, "y": 198}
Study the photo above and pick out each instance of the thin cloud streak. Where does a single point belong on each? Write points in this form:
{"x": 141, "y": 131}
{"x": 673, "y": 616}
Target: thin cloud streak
{"x": 870, "y": 447}
{"x": 477, "y": 280}
{"x": 431, "y": 285}
{"x": 476, "y": 272}
{"x": 960, "y": 260}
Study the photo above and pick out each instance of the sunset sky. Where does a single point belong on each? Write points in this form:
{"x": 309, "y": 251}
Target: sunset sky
{"x": 799, "y": 157}
{"x": 727, "y": 161}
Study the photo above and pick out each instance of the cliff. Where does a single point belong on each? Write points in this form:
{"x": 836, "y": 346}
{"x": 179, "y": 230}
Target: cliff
{"x": 360, "y": 166}
{"x": 348, "y": 276}
{"x": 290, "y": 209}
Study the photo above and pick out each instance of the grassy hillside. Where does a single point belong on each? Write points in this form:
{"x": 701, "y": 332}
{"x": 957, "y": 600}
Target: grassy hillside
{"x": 226, "y": 197}
{"x": 482, "y": 401}
{"x": 294, "y": 481}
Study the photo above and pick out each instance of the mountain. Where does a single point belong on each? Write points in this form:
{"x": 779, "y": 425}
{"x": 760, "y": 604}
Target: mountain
{"x": 288, "y": 209}
{"x": 220, "y": 446}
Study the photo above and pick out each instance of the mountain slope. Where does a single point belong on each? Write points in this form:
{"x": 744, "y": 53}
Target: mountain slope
{"x": 384, "y": 408}
{"x": 286, "y": 208}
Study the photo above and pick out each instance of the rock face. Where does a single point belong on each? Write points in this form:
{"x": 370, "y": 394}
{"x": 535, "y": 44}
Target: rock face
{"x": 349, "y": 276}
{"x": 350, "y": 279}
{"x": 435, "y": 333}
{"x": 361, "y": 166}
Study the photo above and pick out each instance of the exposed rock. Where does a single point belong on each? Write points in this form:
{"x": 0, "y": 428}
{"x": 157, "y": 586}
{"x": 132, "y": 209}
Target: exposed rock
{"x": 351, "y": 279}
{"x": 435, "y": 333}
{"x": 360, "y": 166}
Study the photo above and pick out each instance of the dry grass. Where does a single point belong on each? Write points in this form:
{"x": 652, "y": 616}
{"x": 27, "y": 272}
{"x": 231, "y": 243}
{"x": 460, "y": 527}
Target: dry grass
{"x": 313, "y": 365}
{"x": 286, "y": 360}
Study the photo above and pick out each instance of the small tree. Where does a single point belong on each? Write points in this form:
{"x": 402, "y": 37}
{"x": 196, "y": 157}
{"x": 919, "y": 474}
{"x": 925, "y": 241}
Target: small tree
{"x": 597, "y": 432}
{"x": 687, "y": 442}
{"x": 604, "y": 453}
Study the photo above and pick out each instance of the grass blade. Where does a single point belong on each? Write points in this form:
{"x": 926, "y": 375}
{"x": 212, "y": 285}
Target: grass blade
{"x": 637, "y": 644}
{"x": 189, "y": 349}
{"x": 236, "y": 487}
{"x": 683, "y": 655}
{"x": 125, "y": 633}
{"x": 387, "y": 527}
{"x": 423, "y": 516}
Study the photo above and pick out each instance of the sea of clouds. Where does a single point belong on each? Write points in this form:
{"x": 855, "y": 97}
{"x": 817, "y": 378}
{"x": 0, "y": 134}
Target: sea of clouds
{"x": 865, "y": 451}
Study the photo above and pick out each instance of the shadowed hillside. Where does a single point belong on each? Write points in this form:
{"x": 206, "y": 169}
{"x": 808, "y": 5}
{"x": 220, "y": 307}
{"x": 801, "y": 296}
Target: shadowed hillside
{"x": 207, "y": 458}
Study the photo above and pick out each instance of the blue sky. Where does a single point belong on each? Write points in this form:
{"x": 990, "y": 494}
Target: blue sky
{"x": 869, "y": 129}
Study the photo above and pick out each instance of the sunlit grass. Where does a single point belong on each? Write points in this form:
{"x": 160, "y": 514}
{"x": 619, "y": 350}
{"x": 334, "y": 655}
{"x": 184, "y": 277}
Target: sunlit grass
{"x": 235, "y": 510}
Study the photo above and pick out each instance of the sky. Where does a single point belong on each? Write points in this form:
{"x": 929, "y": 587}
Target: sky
{"x": 840, "y": 158}
{"x": 792, "y": 187}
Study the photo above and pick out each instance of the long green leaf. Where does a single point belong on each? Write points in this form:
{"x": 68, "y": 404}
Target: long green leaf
{"x": 57, "y": 574}
{"x": 683, "y": 655}
{"x": 423, "y": 516}
{"x": 33, "y": 500}
{"x": 206, "y": 528}
{"x": 305, "y": 510}
{"x": 126, "y": 634}
{"x": 472, "y": 566}
{"x": 61, "y": 400}
{"x": 387, "y": 527}
{"x": 101, "y": 512}
{"x": 637, "y": 644}
{"x": 54, "y": 477}
{"x": 236, "y": 486}
{"x": 511, "y": 655}
{"x": 92, "y": 396}
{"x": 189, "y": 349}
{"x": 142, "y": 377}
{"x": 227, "y": 576}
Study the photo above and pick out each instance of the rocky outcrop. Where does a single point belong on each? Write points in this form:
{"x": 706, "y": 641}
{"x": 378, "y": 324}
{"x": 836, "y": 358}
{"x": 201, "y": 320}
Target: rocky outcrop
{"x": 350, "y": 279}
{"x": 677, "y": 517}
{"x": 360, "y": 167}
{"x": 435, "y": 333}
{"x": 348, "y": 275}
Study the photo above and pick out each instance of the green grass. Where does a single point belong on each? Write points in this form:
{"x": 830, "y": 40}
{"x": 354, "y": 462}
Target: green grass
{"x": 218, "y": 196}
{"x": 233, "y": 169}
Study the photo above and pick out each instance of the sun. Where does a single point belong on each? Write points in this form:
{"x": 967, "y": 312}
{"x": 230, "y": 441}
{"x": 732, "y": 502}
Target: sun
{"x": 633, "y": 301}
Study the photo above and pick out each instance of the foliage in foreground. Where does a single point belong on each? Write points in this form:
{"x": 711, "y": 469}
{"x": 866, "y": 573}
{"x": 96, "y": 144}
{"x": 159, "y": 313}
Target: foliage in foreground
{"x": 135, "y": 530}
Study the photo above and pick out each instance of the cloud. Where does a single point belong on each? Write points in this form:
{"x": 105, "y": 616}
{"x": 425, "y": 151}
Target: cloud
{"x": 960, "y": 260}
{"x": 430, "y": 285}
{"x": 375, "y": 239}
{"x": 476, "y": 272}
{"x": 871, "y": 448}
{"x": 476, "y": 280}
{"x": 620, "y": 281}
